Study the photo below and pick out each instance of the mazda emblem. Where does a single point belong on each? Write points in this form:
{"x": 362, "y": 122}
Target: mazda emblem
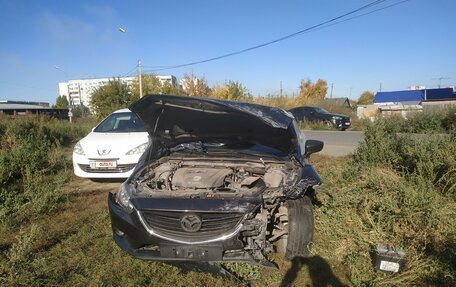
{"x": 191, "y": 222}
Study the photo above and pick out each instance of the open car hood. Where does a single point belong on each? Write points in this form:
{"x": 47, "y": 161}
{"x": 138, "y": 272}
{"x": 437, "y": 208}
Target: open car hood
{"x": 187, "y": 119}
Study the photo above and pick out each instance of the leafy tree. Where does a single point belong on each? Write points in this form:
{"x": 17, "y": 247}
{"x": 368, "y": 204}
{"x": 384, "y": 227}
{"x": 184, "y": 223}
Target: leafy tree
{"x": 110, "y": 97}
{"x": 81, "y": 111}
{"x": 169, "y": 89}
{"x": 233, "y": 91}
{"x": 150, "y": 85}
{"x": 61, "y": 103}
{"x": 193, "y": 86}
{"x": 237, "y": 92}
{"x": 311, "y": 91}
{"x": 219, "y": 92}
{"x": 366, "y": 98}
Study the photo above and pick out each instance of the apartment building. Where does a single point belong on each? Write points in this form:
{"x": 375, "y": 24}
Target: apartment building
{"x": 80, "y": 91}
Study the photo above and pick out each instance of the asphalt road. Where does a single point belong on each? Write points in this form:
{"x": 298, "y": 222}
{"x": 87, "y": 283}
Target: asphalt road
{"x": 337, "y": 143}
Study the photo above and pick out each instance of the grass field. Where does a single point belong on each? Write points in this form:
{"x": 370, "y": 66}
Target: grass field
{"x": 74, "y": 247}
{"x": 394, "y": 190}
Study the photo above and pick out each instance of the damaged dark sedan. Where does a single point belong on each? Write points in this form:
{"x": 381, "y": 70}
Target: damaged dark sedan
{"x": 220, "y": 181}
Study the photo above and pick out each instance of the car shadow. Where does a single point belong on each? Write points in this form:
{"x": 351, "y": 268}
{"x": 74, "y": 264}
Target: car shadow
{"x": 207, "y": 267}
{"x": 320, "y": 272}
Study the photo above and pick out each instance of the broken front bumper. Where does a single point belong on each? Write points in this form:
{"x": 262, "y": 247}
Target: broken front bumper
{"x": 133, "y": 235}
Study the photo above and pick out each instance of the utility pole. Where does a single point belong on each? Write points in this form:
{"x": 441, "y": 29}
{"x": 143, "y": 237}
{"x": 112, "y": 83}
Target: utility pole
{"x": 70, "y": 108}
{"x": 123, "y": 30}
{"x": 140, "y": 79}
{"x": 81, "y": 105}
{"x": 81, "y": 102}
{"x": 332, "y": 86}
{"x": 440, "y": 80}
{"x": 280, "y": 88}
{"x": 70, "y": 100}
{"x": 380, "y": 87}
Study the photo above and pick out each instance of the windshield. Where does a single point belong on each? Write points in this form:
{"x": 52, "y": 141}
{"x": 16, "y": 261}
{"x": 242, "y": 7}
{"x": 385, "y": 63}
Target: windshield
{"x": 120, "y": 123}
{"x": 321, "y": 110}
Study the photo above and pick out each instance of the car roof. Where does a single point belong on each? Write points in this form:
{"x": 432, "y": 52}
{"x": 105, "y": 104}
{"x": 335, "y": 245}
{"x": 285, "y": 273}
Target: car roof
{"x": 126, "y": 110}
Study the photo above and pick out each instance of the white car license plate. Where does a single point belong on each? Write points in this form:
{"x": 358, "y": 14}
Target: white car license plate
{"x": 108, "y": 164}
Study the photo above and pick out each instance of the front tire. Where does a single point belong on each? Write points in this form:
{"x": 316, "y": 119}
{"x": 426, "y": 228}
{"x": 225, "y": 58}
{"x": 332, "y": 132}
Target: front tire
{"x": 300, "y": 229}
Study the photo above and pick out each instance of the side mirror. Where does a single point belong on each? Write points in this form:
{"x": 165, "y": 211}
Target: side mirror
{"x": 93, "y": 128}
{"x": 313, "y": 146}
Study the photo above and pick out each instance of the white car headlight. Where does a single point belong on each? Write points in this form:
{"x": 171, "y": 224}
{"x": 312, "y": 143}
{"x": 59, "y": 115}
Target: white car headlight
{"x": 78, "y": 149}
{"x": 124, "y": 195}
{"x": 138, "y": 150}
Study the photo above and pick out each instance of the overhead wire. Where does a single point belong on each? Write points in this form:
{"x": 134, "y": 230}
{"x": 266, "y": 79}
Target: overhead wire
{"x": 129, "y": 72}
{"x": 325, "y": 24}
{"x": 361, "y": 15}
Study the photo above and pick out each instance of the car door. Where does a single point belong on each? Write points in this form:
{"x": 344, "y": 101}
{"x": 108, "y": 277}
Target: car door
{"x": 297, "y": 113}
{"x": 309, "y": 113}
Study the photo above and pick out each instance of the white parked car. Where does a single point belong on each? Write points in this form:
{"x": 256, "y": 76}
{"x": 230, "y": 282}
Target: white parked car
{"x": 112, "y": 149}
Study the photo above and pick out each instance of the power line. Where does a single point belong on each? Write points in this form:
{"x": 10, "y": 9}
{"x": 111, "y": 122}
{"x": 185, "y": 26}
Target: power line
{"x": 129, "y": 72}
{"x": 322, "y": 25}
{"x": 359, "y": 16}
{"x": 274, "y": 41}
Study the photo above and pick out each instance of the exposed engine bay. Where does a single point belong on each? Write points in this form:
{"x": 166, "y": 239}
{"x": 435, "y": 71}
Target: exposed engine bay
{"x": 271, "y": 183}
{"x": 187, "y": 176}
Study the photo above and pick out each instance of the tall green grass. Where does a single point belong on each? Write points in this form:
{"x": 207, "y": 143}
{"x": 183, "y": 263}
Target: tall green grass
{"x": 399, "y": 190}
{"x": 33, "y": 166}
{"x": 421, "y": 122}
{"x": 396, "y": 189}
{"x": 87, "y": 256}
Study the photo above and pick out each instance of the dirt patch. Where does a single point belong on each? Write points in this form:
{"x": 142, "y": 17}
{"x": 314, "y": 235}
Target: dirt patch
{"x": 88, "y": 194}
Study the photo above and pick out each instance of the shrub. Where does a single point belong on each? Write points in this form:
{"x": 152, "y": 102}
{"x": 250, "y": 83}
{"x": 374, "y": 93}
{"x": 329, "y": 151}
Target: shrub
{"x": 449, "y": 121}
{"x": 425, "y": 123}
{"x": 33, "y": 167}
{"x": 396, "y": 189}
{"x": 18, "y": 267}
{"x": 419, "y": 157}
{"x": 422, "y": 122}
{"x": 378, "y": 146}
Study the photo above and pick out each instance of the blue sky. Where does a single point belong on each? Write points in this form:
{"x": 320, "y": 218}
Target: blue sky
{"x": 409, "y": 44}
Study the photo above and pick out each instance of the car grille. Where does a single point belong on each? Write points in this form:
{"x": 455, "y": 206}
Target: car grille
{"x": 213, "y": 225}
{"x": 120, "y": 168}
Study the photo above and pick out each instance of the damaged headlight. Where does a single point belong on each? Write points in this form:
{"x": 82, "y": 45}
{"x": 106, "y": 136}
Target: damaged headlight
{"x": 138, "y": 150}
{"x": 124, "y": 195}
{"x": 78, "y": 149}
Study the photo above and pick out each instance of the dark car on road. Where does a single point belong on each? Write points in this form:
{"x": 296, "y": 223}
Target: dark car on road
{"x": 317, "y": 114}
{"x": 219, "y": 181}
